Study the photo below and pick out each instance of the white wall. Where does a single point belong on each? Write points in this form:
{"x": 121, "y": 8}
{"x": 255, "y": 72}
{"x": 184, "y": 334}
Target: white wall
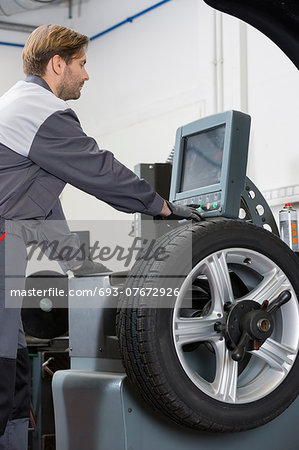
{"x": 152, "y": 75}
{"x": 147, "y": 78}
{"x": 273, "y": 103}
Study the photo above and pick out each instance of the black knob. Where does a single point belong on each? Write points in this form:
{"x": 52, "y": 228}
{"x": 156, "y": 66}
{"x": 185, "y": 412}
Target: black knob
{"x": 282, "y": 299}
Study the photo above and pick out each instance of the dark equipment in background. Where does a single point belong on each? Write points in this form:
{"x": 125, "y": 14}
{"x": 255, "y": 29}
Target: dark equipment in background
{"x": 159, "y": 177}
{"x": 46, "y": 316}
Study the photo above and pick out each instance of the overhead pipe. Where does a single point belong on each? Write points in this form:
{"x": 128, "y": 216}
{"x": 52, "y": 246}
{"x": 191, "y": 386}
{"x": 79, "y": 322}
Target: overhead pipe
{"x": 108, "y": 30}
{"x": 243, "y": 67}
{"x": 16, "y": 27}
{"x": 218, "y": 62}
{"x": 70, "y": 9}
{"x": 11, "y": 44}
{"x": 214, "y": 62}
{"x": 129, "y": 19}
{"x": 11, "y": 7}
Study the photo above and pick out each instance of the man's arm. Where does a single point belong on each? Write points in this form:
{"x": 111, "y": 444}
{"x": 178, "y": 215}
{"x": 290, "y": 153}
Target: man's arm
{"x": 165, "y": 210}
{"x": 62, "y": 148}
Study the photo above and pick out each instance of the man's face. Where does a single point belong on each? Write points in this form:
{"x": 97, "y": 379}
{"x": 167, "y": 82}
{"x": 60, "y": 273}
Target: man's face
{"x": 73, "y": 78}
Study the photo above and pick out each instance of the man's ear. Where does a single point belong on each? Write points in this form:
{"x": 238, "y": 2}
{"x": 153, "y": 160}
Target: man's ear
{"x": 58, "y": 64}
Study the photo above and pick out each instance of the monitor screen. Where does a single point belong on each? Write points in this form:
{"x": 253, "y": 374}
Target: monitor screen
{"x": 209, "y": 163}
{"x": 202, "y": 159}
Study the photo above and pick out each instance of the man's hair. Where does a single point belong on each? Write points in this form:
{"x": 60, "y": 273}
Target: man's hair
{"x": 49, "y": 40}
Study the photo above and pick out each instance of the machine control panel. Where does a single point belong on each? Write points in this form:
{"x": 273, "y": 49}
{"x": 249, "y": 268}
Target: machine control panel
{"x": 204, "y": 203}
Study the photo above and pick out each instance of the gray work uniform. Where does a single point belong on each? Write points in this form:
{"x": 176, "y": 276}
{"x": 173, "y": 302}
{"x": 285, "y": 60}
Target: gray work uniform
{"x": 43, "y": 147}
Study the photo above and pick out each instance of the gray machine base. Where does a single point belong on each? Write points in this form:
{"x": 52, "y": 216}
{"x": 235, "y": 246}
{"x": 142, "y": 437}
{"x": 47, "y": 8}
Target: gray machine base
{"x": 99, "y": 411}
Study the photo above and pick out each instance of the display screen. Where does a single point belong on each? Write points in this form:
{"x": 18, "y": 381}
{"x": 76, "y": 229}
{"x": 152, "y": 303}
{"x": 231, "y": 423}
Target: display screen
{"x": 202, "y": 159}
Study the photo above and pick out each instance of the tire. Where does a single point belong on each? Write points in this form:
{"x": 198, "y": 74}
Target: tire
{"x": 188, "y": 373}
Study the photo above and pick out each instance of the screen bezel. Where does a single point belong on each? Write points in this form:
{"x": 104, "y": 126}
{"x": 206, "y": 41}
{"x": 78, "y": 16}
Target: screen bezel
{"x": 234, "y": 162}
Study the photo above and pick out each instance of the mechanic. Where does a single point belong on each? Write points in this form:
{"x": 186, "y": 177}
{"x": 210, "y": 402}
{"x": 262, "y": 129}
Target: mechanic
{"x": 43, "y": 147}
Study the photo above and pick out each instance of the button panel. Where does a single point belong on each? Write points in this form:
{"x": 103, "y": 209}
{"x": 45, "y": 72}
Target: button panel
{"x": 205, "y": 203}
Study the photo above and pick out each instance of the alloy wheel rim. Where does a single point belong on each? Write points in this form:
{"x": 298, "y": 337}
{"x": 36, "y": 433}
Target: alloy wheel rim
{"x": 267, "y": 367}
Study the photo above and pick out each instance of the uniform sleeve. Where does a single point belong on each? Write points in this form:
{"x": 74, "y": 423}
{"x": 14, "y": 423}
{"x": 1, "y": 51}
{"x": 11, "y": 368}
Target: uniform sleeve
{"x": 62, "y": 148}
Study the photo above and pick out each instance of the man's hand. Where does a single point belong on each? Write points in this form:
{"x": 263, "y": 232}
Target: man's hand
{"x": 178, "y": 212}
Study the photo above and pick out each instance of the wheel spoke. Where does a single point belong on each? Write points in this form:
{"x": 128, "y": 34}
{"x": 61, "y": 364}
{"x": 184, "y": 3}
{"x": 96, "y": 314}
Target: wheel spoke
{"x": 220, "y": 282}
{"x": 225, "y": 383}
{"x": 273, "y": 283}
{"x": 279, "y": 357}
{"x": 197, "y": 329}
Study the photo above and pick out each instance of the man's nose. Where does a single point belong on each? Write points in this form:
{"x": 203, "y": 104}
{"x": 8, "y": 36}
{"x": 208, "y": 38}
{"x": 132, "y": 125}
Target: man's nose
{"x": 85, "y": 75}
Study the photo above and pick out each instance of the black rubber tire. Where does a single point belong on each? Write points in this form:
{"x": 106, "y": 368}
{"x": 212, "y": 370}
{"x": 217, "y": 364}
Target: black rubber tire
{"x": 146, "y": 341}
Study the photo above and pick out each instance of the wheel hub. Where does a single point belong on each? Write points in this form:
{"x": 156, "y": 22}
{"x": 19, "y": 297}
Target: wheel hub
{"x": 250, "y": 317}
{"x": 247, "y": 328}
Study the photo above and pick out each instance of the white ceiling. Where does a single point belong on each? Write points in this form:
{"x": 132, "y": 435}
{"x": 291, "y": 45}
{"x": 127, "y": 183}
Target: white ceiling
{"x": 88, "y": 16}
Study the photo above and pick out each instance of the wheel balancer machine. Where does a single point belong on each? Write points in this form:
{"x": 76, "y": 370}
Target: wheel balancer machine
{"x": 96, "y": 406}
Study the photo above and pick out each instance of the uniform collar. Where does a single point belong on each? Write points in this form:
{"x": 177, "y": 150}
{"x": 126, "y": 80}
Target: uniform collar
{"x": 38, "y": 80}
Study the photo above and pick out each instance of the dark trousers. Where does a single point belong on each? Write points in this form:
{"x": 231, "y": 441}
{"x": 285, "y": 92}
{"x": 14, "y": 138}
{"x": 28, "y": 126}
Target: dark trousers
{"x": 14, "y": 363}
